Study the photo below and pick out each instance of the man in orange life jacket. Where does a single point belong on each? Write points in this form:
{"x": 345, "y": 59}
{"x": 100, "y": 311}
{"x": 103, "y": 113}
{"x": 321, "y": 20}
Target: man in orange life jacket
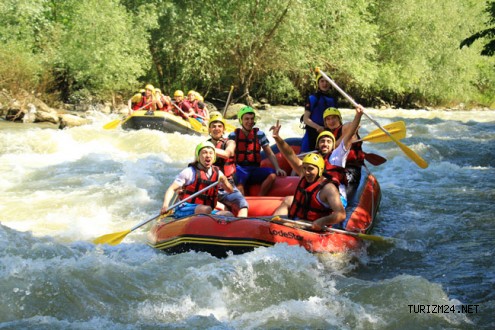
{"x": 198, "y": 175}
{"x": 249, "y": 141}
{"x": 198, "y": 106}
{"x": 164, "y": 102}
{"x": 334, "y": 160}
{"x": 333, "y": 122}
{"x": 181, "y": 107}
{"x": 225, "y": 152}
{"x": 143, "y": 101}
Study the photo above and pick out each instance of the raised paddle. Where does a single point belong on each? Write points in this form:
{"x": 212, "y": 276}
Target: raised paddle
{"x": 228, "y": 101}
{"x": 196, "y": 125}
{"x": 116, "y": 238}
{"x": 368, "y": 237}
{"x": 411, "y": 154}
{"x": 114, "y": 123}
{"x": 396, "y": 129}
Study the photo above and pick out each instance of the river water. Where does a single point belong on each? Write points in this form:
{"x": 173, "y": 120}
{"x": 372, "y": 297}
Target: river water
{"x": 59, "y": 189}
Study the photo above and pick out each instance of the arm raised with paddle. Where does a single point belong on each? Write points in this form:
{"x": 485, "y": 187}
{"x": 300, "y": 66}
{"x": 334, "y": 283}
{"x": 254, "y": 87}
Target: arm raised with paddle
{"x": 411, "y": 154}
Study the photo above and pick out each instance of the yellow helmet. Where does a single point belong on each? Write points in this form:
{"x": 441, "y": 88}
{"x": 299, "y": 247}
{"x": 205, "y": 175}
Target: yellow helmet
{"x": 332, "y": 112}
{"x": 178, "y": 93}
{"x": 316, "y": 160}
{"x": 142, "y": 90}
{"x": 158, "y": 90}
{"x": 205, "y": 144}
{"x": 150, "y": 87}
{"x": 191, "y": 92}
{"x": 325, "y": 133}
{"x": 216, "y": 116}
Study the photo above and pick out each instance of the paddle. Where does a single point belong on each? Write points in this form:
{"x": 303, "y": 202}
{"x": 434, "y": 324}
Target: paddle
{"x": 196, "y": 125}
{"x": 374, "y": 159}
{"x": 116, "y": 238}
{"x": 411, "y": 154}
{"x": 228, "y": 101}
{"x": 396, "y": 129}
{"x": 368, "y": 237}
{"x": 114, "y": 123}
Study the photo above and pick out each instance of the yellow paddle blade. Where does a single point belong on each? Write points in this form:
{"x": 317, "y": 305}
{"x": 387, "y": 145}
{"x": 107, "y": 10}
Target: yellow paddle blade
{"x": 374, "y": 238}
{"x": 396, "y": 129}
{"x": 111, "y": 125}
{"x": 411, "y": 154}
{"x": 112, "y": 239}
{"x": 229, "y": 127}
{"x": 196, "y": 125}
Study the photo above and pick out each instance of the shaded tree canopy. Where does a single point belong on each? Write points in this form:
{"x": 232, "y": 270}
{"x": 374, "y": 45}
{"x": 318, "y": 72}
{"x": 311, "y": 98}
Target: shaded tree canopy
{"x": 489, "y": 33}
{"x": 403, "y": 53}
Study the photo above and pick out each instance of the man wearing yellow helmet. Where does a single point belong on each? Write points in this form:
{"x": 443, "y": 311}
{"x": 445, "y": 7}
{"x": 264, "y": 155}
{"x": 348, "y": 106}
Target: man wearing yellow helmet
{"x": 225, "y": 152}
{"x": 313, "y": 113}
{"x": 198, "y": 175}
{"x": 333, "y": 122}
{"x": 144, "y": 100}
{"x": 182, "y": 108}
{"x": 197, "y": 104}
{"x": 316, "y": 199}
{"x": 249, "y": 141}
{"x": 334, "y": 159}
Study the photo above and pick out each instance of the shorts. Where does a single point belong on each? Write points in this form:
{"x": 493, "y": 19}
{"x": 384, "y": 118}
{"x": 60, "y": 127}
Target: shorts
{"x": 252, "y": 174}
{"x": 186, "y": 209}
{"x": 235, "y": 200}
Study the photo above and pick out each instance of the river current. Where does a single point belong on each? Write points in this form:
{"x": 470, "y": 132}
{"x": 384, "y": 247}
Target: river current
{"x": 60, "y": 189}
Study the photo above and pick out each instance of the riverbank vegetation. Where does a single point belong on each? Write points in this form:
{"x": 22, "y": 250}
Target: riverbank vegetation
{"x": 403, "y": 53}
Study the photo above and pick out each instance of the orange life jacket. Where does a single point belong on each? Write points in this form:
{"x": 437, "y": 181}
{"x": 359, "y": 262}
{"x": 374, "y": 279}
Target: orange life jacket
{"x": 305, "y": 205}
{"x": 166, "y": 103}
{"x": 144, "y": 104}
{"x": 208, "y": 197}
{"x": 248, "y": 148}
{"x": 227, "y": 166}
{"x": 334, "y": 173}
{"x": 356, "y": 154}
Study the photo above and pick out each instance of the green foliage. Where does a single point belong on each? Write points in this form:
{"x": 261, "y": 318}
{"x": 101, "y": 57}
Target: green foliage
{"x": 402, "y": 52}
{"x": 23, "y": 70}
{"x": 101, "y": 49}
{"x": 418, "y": 52}
{"x": 21, "y": 29}
{"x": 279, "y": 89}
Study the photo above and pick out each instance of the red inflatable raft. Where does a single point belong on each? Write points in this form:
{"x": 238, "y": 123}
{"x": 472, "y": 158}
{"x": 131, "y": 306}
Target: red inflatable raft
{"x": 219, "y": 235}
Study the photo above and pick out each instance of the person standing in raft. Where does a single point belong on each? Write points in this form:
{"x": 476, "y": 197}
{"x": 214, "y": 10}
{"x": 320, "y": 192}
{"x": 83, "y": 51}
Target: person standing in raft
{"x": 333, "y": 122}
{"x": 225, "y": 152}
{"x": 249, "y": 141}
{"x": 313, "y": 113}
{"x": 198, "y": 175}
{"x": 317, "y": 195}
